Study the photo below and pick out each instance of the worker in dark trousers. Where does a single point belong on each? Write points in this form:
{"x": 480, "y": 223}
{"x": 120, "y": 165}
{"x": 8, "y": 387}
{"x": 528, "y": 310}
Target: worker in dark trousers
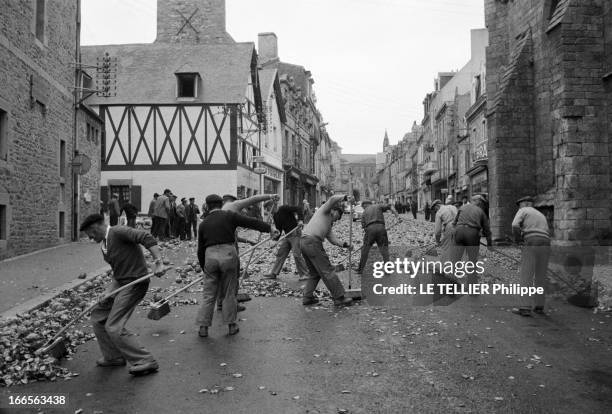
{"x": 471, "y": 220}
{"x": 286, "y": 219}
{"x": 316, "y": 231}
{"x": 413, "y": 208}
{"x": 121, "y": 249}
{"x": 373, "y": 223}
{"x": 532, "y": 226}
{"x": 191, "y": 217}
{"x": 231, "y": 203}
{"x": 114, "y": 210}
{"x": 219, "y": 259}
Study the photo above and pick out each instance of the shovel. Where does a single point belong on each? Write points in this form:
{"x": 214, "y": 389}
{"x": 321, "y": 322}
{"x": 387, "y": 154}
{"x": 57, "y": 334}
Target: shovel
{"x": 354, "y": 294}
{"x": 56, "y": 346}
{"x": 580, "y": 299}
{"x": 160, "y": 309}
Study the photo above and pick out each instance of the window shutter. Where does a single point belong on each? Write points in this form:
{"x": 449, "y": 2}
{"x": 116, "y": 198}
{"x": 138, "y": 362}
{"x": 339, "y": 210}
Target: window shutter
{"x": 135, "y": 199}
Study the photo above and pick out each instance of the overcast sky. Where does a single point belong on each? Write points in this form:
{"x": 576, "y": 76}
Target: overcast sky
{"x": 373, "y": 61}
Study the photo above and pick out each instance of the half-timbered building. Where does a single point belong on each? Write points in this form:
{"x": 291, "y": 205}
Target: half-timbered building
{"x": 183, "y": 116}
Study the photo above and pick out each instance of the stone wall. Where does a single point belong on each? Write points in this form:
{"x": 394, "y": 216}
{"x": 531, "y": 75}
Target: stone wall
{"x": 89, "y": 132}
{"x": 35, "y": 92}
{"x": 547, "y": 134}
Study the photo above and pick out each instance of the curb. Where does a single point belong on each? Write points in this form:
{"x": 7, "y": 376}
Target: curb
{"x": 40, "y": 301}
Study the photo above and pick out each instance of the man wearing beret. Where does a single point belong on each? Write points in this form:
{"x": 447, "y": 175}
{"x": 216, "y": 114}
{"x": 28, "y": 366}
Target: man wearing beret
{"x": 121, "y": 249}
{"x": 219, "y": 259}
{"x": 532, "y": 226}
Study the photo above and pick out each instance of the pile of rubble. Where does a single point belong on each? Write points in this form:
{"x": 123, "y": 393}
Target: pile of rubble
{"x": 22, "y": 335}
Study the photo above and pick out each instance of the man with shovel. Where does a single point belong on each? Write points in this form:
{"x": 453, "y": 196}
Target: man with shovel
{"x": 373, "y": 223}
{"x": 289, "y": 219}
{"x": 318, "y": 229}
{"x": 231, "y": 203}
{"x": 121, "y": 249}
{"x": 219, "y": 260}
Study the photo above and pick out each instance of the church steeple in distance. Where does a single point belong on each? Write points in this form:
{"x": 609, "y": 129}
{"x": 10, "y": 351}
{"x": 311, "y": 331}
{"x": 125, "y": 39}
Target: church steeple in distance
{"x": 386, "y": 141}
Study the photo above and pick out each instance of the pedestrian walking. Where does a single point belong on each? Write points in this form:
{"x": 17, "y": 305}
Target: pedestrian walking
{"x": 219, "y": 260}
{"x": 162, "y": 207}
{"x": 191, "y": 219}
{"x": 532, "y": 226}
{"x": 286, "y": 219}
{"x": 373, "y": 223}
{"x": 131, "y": 212}
{"x": 427, "y": 211}
{"x": 311, "y": 244}
{"x": 121, "y": 249}
{"x": 471, "y": 220}
{"x": 444, "y": 232}
{"x": 181, "y": 219}
{"x": 114, "y": 210}
{"x": 152, "y": 215}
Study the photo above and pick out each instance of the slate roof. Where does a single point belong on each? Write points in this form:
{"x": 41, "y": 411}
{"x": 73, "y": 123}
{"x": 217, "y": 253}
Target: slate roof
{"x": 146, "y": 72}
{"x": 266, "y": 79}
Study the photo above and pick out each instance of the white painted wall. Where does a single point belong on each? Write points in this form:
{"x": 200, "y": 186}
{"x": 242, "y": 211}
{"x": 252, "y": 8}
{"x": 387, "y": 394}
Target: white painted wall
{"x": 186, "y": 183}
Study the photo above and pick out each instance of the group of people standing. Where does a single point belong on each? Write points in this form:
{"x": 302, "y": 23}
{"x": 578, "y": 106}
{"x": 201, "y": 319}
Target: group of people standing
{"x": 172, "y": 219}
{"x": 407, "y": 207}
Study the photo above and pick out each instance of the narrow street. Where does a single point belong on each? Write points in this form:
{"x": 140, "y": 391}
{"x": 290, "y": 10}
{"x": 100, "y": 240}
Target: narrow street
{"x": 471, "y": 356}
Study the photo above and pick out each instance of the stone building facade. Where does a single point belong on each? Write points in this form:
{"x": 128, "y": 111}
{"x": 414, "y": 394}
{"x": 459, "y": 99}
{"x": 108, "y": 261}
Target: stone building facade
{"x": 360, "y": 170}
{"x": 549, "y": 69}
{"x": 303, "y": 127}
{"x": 37, "y": 47}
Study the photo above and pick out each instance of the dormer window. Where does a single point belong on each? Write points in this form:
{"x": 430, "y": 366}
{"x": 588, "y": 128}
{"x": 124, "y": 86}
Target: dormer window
{"x": 187, "y": 85}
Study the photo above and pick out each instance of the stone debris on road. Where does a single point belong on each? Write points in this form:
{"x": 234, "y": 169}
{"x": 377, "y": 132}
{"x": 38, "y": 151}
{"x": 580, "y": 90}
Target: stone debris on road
{"x": 22, "y": 335}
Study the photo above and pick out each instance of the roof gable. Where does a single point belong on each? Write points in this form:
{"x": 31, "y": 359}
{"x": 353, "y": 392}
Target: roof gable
{"x": 146, "y": 72}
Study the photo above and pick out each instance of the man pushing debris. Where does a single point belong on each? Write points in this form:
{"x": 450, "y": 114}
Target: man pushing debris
{"x": 219, "y": 261}
{"x": 121, "y": 249}
{"x": 319, "y": 228}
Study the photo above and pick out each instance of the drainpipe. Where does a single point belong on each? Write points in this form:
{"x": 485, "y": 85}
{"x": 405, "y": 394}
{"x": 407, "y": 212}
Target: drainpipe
{"x": 75, "y": 176}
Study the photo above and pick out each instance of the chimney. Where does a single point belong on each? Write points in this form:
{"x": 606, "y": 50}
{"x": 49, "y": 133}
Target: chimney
{"x": 267, "y": 44}
{"x": 191, "y": 21}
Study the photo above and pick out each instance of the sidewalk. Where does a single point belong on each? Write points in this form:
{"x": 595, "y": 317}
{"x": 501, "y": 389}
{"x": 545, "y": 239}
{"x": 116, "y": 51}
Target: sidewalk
{"x": 25, "y": 277}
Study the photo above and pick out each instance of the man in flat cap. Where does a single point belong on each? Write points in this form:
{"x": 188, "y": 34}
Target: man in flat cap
{"x": 532, "y": 226}
{"x": 219, "y": 259}
{"x": 181, "y": 219}
{"x": 374, "y": 230}
{"x": 470, "y": 221}
{"x": 191, "y": 218}
{"x": 121, "y": 249}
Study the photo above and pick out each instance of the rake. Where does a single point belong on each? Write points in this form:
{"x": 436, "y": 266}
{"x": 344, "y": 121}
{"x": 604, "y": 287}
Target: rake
{"x": 580, "y": 299}
{"x": 56, "y": 346}
{"x": 354, "y": 294}
{"x": 160, "y": 309}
